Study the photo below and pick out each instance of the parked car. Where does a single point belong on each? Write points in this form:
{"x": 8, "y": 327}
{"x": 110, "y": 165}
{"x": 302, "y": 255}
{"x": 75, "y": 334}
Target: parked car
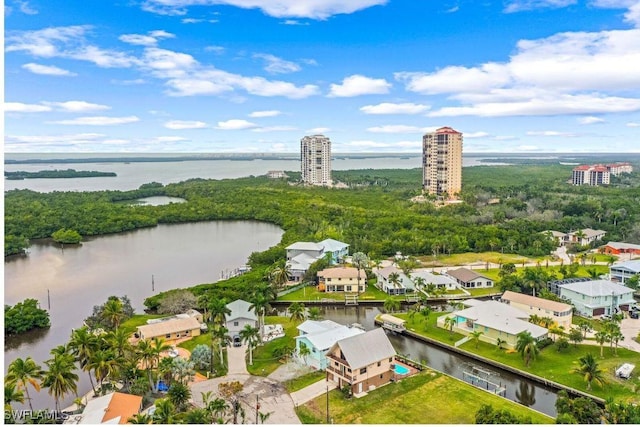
{"x": 634, "y": 314}
{"x": 237, "y": 341}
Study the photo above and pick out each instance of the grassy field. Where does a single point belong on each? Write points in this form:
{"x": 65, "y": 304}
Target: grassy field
{"x": 139, "y": 320}
{"x": 265, "y": 359}
{"x": 304, "y": 381}
{"x": 473, "y": 257}
{"x": 200, "y": 339}
{"x": 422, "y": 399}
{"x": 550, "y": 364}
{"x": 310, "y": 294}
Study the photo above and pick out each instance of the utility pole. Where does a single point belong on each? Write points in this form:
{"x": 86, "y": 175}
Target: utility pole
{"x": 328, "y": 403}
{"x": 257, "y": 408}
{"x": 153, "y": 287}
{"x": 48, "y": 299}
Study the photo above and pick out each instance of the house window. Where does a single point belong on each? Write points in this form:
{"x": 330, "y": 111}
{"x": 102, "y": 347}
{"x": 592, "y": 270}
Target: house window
{"x": 363, "y": 370}
{"x": 335, "y": 363}
{"x": 380, "y": 376}
{"x": 349, "y": 288}
{"x": 235, "y": 323}
{"x": 379, "y": 363}
{"x": 168, "y": 336}
{"x": 390, "y": 359}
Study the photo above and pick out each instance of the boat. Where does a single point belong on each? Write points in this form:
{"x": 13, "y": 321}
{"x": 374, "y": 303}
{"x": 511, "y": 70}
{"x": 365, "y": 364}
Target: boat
{"x": 625, "y": 370}
{"x": 392, "y": 323}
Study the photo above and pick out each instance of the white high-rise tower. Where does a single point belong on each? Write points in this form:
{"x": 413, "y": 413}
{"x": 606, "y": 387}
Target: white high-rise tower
{"x": 315, "y": 160}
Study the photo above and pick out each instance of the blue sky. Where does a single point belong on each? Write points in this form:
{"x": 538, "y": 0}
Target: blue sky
{"x": 373, "y": 75}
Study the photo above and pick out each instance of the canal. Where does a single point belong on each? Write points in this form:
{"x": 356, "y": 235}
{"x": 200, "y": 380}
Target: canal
{"x": 518, "y": 389}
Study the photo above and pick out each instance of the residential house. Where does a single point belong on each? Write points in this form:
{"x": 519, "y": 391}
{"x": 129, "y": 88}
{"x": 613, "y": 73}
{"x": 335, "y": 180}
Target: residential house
{"x": 301, "y": 255}
{"x": 559, "y": 312}
{"x": 113, "y": 408}
{"x": 470, "y": 279}
{"x": 362, "y": 362}
{"x": 298, "y": 266}
{"x": 170, "y": 328}
{"x": 597, "y": 297}
{"x": 240, "y": 316}
{"x": 618, "y": 248}
{"x": 440, "y": 280}
{"x": 318, "y": 337}
{"x": 337, "y": 249}
{"x": 314, "y": 250}
{"x": 495, "y": 320}
{"x": 582, "y": 237}
{"x": 342, "y": 279}
{"x": 400, "y": 286}
{"x": 622, "y": 271}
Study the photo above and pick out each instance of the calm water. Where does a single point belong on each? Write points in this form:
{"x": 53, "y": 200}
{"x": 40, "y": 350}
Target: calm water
{"x": 518, "y": 389}
{"x": 78, "y": 278}
{"x": 132, "y": 175}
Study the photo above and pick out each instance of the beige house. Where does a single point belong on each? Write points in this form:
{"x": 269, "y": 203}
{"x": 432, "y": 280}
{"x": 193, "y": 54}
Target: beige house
{"x": 171, "y": 328}
{"x": 341, "y": 279}
{"x": 561, "y": 313}
{"x": 362, "y": 362}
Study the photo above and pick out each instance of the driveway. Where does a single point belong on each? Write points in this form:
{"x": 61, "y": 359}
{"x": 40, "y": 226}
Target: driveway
{"x": 236, "y": 360}
{"x": 630, "y": 329}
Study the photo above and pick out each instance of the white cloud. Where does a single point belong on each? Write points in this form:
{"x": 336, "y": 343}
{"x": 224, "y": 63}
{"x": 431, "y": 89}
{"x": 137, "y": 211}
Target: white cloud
{"x": 293, "y": 22}
{"x": 524, "y": 5}
{"x": 185, "y": 124}
{"x": 215, "y": 49}
{"x": 456, "y": 79}
{"x": 267, "y": 113}
{"x": 479, "y": 134}
{"x": 151, "y": 39}
{"x": 19, "y": 107}
{"x": 589, "y": 120}
{"x": 165, "y": 63}
{"x": 390, "y": 108}
{"x": 505, "y": 137}
{"x": 318, "y": 130}
{"x": 25, "y": 7}
{"x": 77, "y": 106}
{"x": 452, "y": 9}
{"x": 98, "y": 121}
{"x": 277, "y": 65}
{"x": 313, "y": 9}
{"x": 169, "y": 139}
{"x": 191, "y": 20}
{"x": 235, "y": 124}
{"x": 633, "y": 124}
{"x": 48, "y": 70}
{"x": 129, "y": 82}
{"x": 400, "y": 129}
{"x": 53, "y": 139}
{"x": 552, "y": 133}
{"x": 357, "y": 85}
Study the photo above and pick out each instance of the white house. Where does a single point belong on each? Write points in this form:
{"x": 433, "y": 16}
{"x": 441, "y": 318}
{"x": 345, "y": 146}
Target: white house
{"x": 559, "y": 312}
{"x": 622, "y": 271}
{"x": 582, "y": 237}
{"x": 241, "y": 315}
{"x": 400, "y": 286}
{"x": 467, "y": 278}
{"x": 440, "y": 280}
{"x": 301, "y": 255}
{"x": 337, "y": 249}
{"x": 319, "y": 337}
{"x": 597, "y": 297}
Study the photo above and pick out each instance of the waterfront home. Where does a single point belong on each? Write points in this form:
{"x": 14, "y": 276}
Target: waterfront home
{"x": 623, "y": 271}
{"x": 393, "y": 281}
{"x": 170, "y": 328}
{"x": 495, "y": 320}
{"x": 362, "y": 362}
{"x": 467, "y": 278}
{"x": 440, "y": 280}
{"x": 240, "y": 316}
{"x": 597, "y": 297}
{"x": 113, "y": 408}
{"x": 560, "y": 313}
{"x": 318, "y": 337}
{"x": 618, "y": 248}
{"x": 342, "y": 279}
{"x": 301, "y": 255}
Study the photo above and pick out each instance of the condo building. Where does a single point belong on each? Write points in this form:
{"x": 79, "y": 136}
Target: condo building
{"x": 442, "y": 162}
{"x": 315, "y": 160}
{"x": 590, "y": 175}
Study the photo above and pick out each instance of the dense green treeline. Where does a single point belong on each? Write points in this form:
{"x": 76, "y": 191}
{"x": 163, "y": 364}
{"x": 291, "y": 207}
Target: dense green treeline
{"x": 67, "y": 173}
{"x": 505, "y": 209}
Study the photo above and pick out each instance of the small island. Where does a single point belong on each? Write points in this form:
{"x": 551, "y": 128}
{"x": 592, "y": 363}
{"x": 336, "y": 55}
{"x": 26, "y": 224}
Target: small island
{"x": 68, "y": 173}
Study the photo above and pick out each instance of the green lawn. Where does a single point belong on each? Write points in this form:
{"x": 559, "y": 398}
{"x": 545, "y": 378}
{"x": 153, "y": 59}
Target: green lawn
{"x": 304, "y": 381}
{"x": 264, "y": 360}
{"x": 139, "y": 320}
{"x": 473, "y": 257}
{"x": 200, "y": 339}
{"x": 426, "y": 398}
{"x": 310, "y": 294}
{"x": 550, "y": 364}
{"x": 478, "y": 292}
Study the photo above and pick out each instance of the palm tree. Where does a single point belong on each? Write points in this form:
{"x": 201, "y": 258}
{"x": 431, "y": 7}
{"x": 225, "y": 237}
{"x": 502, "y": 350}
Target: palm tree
{"x": 601, "y": 338}
{"x": 217, "y": 408}
{"x": 113, "y": 312}
{"x": 359, "y": 260}
{"x": 149, "y": 351}
{"x": 590, "y": 370}
{"x": 179, "y": 395}
{"x": 219, "y": 333}
{"x": 250, "y": 335}
{"x": 280, "y": 275}
{"x": 140, "y": 419}
{"x": 419, "y": 282}
{"x": 585, "y": 327}
{"x": 314, "y": 313}
{"x": 83, "y": 345}
{"x": 391, "y": 304}
{"x": 296, "y": 311}
{"x": 12, "y": 394}
{"x": 165, "y": 412}
{"x": 304, "y": 351}
{"x": 218, "y": 310}
{"x": 394, "y": 279}
{"x": 527, "y": 347}
{"x": 260, "y": 304}
{"x": 104, "y": 364}
{"x": 500, "y": 342}
{"x": 23, "y": 372}
{"x": 476, "y": 337}
{"x": 60, "y": 377}
{"x": 118, "y": 340}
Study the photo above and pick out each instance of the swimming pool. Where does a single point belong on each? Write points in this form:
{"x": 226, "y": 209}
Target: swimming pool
{"x": 401, "y": 370}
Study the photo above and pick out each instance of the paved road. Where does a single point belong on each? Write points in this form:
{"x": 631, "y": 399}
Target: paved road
{"x": 312, "y": 391}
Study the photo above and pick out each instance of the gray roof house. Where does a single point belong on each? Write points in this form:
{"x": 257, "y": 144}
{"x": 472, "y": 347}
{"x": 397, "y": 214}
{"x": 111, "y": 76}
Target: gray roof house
{"x": 597, "y": 297}
{"x": 470, "y": 279}
{"x": 240, "y": 316}
{"x": 440, "y": 280}
{"x": 622, "y": 271}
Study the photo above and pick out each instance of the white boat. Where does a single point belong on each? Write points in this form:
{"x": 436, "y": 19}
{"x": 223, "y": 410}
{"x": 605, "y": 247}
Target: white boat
{"x": 625, "y": 370}
{"x": 392, "y": 323}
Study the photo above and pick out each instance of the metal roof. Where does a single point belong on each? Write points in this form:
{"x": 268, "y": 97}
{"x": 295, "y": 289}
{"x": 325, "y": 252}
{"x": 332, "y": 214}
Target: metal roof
{"x": 240, "y": 310}
{"x": 595, "y": 288}
{"x": 365, "y": 349}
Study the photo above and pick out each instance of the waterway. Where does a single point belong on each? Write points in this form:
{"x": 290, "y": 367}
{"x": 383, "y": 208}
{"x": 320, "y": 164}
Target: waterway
{"x": 521, "y": 390}
{"x": 79, "y": 277}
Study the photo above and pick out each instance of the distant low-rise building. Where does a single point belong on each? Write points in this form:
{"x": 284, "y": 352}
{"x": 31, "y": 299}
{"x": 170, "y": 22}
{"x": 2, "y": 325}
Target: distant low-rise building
{"x": 362, "y": 362}
{"x": 590, "y": 175}
{"x": 618, "y": 248}
{"x": 559, "y": 312}
{"x": 616, "y": 169}
{"x": 583, "y": 237}
{"x": 597, "y": 297}
{"x": 623, "y": 271}
{"x": 470, "y": 279}
{"x": 276, "y": 175}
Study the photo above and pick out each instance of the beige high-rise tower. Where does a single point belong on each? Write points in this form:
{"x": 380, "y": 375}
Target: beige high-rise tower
{"x": 442, "y": 162}
{"x": 315, "y": 160}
